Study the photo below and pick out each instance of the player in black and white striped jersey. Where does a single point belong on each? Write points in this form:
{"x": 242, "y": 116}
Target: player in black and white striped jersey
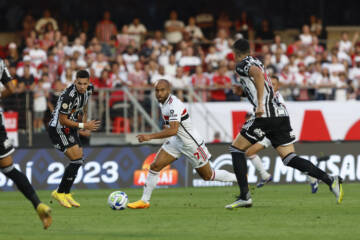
{"x": 7, "y": 166}
{"x": 271, "y": 121}
{"x": 64, "y": 128}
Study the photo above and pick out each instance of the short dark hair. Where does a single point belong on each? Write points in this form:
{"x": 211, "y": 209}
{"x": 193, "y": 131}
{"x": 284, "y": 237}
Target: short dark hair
{"x": 82, "y": 74}
{"x": 241, "y": 46}
{"x": 275, "y": 77}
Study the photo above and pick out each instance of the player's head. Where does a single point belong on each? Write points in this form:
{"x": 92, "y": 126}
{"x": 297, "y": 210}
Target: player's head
{"x": 82, "y": 81}
{"x": 162, "y": 90}
{"x": 241, "y": 48}
{"x": 275, "y": 82}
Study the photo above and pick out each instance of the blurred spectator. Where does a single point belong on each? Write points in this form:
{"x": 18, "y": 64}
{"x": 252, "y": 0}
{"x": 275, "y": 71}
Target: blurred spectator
{"x": 160, "y": 75}
{"x": 201, "y": 83}
{"x": 278, "y": 44}
{"x": 265, "y": 32}
{"x": 44, "y": 21}
{"x": 305, "y": 36}
{"x": 243, "y": 25}
{"x": 325, "y": 82}
{"x": 179, "y": 83}
{"x": 13, "y": 56}
{"x": 146, "y": 50}
{"x": 213, "y": 58}
{"x": 137, "y": 77}
{"x": 194, "y": 31}
{"x": 99, "y": 64}
{"x": 174, "y": 28}
{"x": 37, "y": 55}
{"x": 26, "y": 63}
{"x": 118, "y": 75}
{"x": 137, "y": 30}
{"x": 224, "y": 22}
{"x": 279, "y": 60}
{"x": 159, "y": 40}
{"x": 217, "y": 138}
{"x": 67, "y": 77}
{"x": 170, "y": 69}
{"x": 220, "y": 80}
{"x": 28, "y": 25}
{"x": 105, "y": 28}
{"x": 188, "y": 60}
{"x": 294, "y": 47}
{"x": 205, "y": 20}
{"x": 222, "y": 44}
{"x": 130, "y": 57}
{"x": 342, "y": 87}
{"x": 40, "y": 103}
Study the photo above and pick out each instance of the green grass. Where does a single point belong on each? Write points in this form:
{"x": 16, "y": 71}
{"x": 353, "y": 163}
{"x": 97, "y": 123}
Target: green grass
{"x": 279, "y": 212}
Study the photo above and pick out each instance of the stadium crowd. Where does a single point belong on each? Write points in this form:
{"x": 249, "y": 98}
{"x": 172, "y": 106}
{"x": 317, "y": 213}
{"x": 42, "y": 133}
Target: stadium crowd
{"x": 50, "y": 54}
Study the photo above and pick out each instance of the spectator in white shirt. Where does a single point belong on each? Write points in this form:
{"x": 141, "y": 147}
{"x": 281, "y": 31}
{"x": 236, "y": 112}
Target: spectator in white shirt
{"x": 170, "y": 69}
{"x": 130, "y": 57}
{"x": 194, "y": 31}
{"x": 99, "y": 64}
{"x": 221, "y": 43}
{"x": 78, "y": 47}
{"x": 174, "y": 28}
{"x": 37, "y": 55}
{"x": 46, "y": 19}
{"x": 189, "y": 60}
{"x": 160, "y": 75}
{"x": 159, "y": 40}
{"x": 306, "y": 37}
{"x": 26, "y": 62}
{"x": 345, "y": 45}
{"x": 354, "y": 72}
{"x": 278, "y": 44}
{"x": 137, "y": 30}
{"x": 279, "y": 60}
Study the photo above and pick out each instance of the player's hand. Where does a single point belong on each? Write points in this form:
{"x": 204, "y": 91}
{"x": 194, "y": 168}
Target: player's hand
{"x": 143, "y": 138}
{"x": 84, "y": 133}
{"x": 92, "y": 125}
{"x": 259, "y": 110}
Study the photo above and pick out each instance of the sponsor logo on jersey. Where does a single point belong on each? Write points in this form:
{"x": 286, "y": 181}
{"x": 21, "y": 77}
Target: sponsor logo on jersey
{"x": 65, "y": 106}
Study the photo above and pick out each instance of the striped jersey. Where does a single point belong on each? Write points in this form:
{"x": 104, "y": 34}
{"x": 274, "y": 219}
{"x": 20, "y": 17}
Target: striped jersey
{"x": 5, "y": 76}
{"x": 272, "y": 106}
{"x": 70, "y": 103}
{"x": 174, "y": 110}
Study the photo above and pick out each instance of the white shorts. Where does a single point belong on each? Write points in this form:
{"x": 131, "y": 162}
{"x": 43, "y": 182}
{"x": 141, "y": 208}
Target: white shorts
{"x": 198, "y": 156}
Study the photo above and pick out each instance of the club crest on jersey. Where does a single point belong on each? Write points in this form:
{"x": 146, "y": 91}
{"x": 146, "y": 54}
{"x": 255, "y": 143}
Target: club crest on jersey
{"x": 71, "y": 139}
{"x": 259, "y": 132}
{"x": 172, "y": 114}
{"x": 65, "y": 106}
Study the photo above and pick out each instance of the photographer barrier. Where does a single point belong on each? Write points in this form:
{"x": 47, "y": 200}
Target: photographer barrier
{"x": 123, "y": 167}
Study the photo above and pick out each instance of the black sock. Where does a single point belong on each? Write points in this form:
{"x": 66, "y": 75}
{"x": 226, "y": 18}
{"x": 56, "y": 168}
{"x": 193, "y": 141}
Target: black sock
{"x": 69, "y": 176}
{"x": 305, "y": 166}
{"x": 22, "y": 184}
{"x": 240, "y": 170}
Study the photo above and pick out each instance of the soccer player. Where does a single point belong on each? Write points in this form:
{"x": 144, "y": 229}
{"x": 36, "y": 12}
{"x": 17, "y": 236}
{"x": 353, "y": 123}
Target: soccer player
{"x": 6, "y": 162}
{"x": 271, "y": 120}
{"x": 252, "y": 151}
{"x": 181, "y": 138}
{"x": 64, "y": 134}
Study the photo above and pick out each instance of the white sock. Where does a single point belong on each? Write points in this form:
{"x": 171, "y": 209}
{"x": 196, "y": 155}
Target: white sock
{"x": 256, "y": 161}
{"x": 150, "y": 184}
{"x": 312, "y": 180}
{"x": 223, "y": 176}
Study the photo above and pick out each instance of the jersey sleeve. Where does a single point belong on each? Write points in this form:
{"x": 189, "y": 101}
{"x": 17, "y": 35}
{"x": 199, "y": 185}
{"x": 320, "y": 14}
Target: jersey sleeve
{"x": 243, "y": 67}
{"x": 175, "y": 111}
{"x": 5, "y": 74}
{"x": 66, "y": 105}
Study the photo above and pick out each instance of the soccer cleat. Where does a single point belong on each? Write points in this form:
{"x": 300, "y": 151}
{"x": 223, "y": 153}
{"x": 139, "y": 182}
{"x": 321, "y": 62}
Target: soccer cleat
{"x": 71, "y": 200}
{"x": 264, "y": 181}
{"x": 138, "y": 204}
{"x": 60, "y": 197}
{"x": 314, "y": 186}
{"x": 336, "y": 188}
{"x": 44, "y": 214}
{"x": 240, "y": 203}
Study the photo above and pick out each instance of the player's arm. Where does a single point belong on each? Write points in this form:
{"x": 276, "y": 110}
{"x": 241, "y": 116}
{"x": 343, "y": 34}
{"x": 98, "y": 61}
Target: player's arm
{"x": 92, "y": 125}
{"x": 256, "y": 73}
{"x": 6, "y": 80}
{"x": 9, "y": 89}
{"x": 85, "y": 132}
{"x": 165, "y": 133}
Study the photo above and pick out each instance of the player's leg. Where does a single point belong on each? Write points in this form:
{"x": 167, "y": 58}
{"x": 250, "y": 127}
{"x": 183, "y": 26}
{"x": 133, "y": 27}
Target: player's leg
{"x": 251, "y": 153}
{"x": 209, "y": 174}
{"x": 8, "y": 169}
{"x": 161, "y": 160}
{"x": 237, "y": 150}
{"x": 287, "y": 153}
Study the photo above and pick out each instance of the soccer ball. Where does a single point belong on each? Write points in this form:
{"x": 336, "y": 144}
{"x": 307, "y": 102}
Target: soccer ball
{"x": 118, "y": 200}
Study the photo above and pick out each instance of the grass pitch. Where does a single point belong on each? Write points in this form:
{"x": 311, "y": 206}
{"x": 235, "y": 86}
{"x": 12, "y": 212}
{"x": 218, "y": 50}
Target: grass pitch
{"x": 279, "y": 212}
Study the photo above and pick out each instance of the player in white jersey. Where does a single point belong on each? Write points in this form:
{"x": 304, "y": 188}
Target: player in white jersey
{"x": 181, "y": 138}
{"x": 251, "y": 152}
{"x": 271, "y": 121}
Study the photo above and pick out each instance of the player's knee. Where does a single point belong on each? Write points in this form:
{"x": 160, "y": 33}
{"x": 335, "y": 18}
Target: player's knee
{"x": 7, "y": 169}
{"x": 207, "y": 177}
{"x": 248, "y": 153}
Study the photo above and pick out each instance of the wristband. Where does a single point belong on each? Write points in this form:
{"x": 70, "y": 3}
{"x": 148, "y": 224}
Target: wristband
{"x": 81, "y": 125}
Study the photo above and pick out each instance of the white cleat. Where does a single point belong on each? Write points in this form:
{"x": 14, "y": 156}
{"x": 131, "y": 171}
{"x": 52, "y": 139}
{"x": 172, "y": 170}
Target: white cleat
{"x": 336, "y": 188}
{"x": 240, "y": 203}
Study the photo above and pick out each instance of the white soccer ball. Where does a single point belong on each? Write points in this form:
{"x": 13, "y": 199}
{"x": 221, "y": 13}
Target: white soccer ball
{"x": 118, "y": 200}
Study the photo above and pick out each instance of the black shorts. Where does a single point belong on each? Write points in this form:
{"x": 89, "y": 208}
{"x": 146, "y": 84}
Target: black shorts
{"x": 277, "y": 129}
{"x": 6, "y": 147}
{"x": 63, "y": 138}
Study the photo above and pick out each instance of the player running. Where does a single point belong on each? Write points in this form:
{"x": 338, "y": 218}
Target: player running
{"x": 271, "y": 121}
{"x": 6, "y": 162}
{"x": 251, "y": 152}
{"x": 182, "y": 138}
{"x": 63, "y": 132}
